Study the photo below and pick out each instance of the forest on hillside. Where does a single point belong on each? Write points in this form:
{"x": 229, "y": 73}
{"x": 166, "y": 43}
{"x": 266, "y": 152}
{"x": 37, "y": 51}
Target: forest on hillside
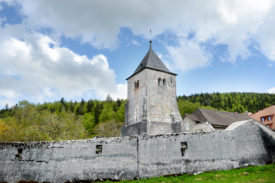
{"x": 65, "y": 120}
{"x": 232, "y": 102}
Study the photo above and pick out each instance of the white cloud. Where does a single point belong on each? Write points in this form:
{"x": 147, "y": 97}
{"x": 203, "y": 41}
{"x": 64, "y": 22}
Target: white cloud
{"x": 7, "y": 93}
{"x": 120, "y": 92}
{"x": 271, "y": 90}
{"x": 266, "y": 37}
{"x": 48, "y": 92}
{"x": 232, "y": 23}
{"x": 14, "y": 48}
{"x": 31, "y": 66}
{"x": 37, "y": 68}
{"x": 189, "y": 55}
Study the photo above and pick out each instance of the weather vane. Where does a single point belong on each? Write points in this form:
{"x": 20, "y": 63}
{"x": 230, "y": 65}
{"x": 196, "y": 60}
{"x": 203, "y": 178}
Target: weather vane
{"x": 150, "y": 38}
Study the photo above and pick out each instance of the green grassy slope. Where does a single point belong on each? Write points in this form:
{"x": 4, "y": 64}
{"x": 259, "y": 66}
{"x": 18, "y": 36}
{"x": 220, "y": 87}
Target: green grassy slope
{"x": 257, "y": 174}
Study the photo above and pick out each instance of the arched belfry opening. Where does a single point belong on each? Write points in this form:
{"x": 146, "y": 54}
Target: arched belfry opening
{"x": 159, "y": 81}
{"x": 164, "y": 82}
{"x": 152, "y": 101}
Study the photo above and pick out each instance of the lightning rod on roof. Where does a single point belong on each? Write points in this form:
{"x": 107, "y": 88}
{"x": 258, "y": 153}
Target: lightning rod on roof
{"x": 150, "y": 39}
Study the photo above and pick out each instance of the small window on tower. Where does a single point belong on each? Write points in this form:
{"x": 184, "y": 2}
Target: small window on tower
{"x": 262, "y": 119}
{"x": 137, "y": 84}
{"x": 269, "y": 118}
{"x": 171, "y": 80}
{"x": 164, "y": 82}
{"x": 159, "y": 81}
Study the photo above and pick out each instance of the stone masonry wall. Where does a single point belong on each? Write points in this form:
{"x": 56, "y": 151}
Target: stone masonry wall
{"x": 152, "y": 103}
{"x": 162, "y": 100}
{"x": 69, "y": 160}
{"x": 136, "y": 97}
{"x": 162, "y": 155}
{"x": 244, "y": 144}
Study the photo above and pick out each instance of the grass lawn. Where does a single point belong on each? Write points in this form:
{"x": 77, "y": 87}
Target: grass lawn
{"x": 250, "y": 174}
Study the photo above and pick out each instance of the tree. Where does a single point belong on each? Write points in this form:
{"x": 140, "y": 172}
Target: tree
{"x": 62, "y": 101}
{"x": 7, "y": 107}
{"x": 82, "y": 108}
{"x": 109, "y": 128}
{"x": 89, "y": 122}
{"x": 30, "y": 124}
{"x": 49, "y": 121}
{"x": 90, "y": 106}
{"x": 97, "y": 112}
{"x": 3, "y": 127}
{"x": 107, "y": 112}
{"x": 120, "y": 113}
{"x": 109, "y": 98}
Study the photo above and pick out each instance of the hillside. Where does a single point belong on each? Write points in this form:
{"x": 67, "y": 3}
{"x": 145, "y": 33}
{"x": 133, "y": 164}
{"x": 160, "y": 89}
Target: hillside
{"x": 63, "y": 120}
{"x": 232, "y": 102}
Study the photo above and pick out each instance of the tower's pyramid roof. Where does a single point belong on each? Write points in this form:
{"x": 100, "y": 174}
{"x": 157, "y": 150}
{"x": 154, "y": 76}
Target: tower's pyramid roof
{"x": 151, "y": 61}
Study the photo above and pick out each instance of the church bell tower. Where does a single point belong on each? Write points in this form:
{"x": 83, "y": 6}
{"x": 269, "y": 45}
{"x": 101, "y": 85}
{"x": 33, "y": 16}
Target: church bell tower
{"x": 152, "y": 105}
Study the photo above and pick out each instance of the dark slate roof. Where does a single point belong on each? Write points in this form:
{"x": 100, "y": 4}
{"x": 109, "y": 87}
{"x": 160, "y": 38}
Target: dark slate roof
{"x": 194, "y": 117}
{"x": 151, "y": 61}
{"x": 219, "y": 118}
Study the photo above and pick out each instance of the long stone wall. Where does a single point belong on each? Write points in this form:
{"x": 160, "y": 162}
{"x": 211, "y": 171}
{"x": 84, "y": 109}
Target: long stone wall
{"x": 69, "y": 160}
{"x": 242, "y": 144}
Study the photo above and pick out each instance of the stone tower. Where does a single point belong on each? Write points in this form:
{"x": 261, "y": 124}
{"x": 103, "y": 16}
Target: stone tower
{"x": 152, "y": 105}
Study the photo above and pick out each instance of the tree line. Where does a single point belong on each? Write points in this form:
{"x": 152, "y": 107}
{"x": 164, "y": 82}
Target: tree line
{"x": 232, "y": 102}
{"x": 64, "y": 120}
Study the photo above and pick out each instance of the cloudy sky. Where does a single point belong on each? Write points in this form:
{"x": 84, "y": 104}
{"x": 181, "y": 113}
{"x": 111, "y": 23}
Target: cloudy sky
{"x": 85, "y": 49}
